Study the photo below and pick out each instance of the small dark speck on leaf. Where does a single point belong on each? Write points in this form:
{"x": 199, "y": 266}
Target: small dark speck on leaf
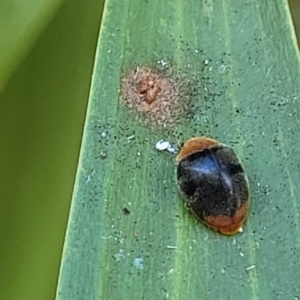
{"x": 102, "y": 155}
{"x": 125, "y": 211}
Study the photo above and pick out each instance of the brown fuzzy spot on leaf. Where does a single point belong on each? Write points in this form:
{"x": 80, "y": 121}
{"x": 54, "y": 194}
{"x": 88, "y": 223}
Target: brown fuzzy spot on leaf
{"x": 152, "y": 94}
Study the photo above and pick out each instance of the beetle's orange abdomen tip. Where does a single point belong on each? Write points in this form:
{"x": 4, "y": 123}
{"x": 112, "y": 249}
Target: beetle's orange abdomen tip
{"x": 239, "y": 230}
{"x": 228, "y": 225}
{"x": 233, "y": 229}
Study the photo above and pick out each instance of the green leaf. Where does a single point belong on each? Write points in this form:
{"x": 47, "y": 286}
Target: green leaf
{"x": 21, "y": 22}
{"x": 236, "y": 65}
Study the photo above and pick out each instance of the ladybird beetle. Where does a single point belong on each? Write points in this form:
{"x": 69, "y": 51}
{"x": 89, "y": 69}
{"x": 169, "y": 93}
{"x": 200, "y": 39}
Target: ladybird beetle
{"x": 213, "y": 184}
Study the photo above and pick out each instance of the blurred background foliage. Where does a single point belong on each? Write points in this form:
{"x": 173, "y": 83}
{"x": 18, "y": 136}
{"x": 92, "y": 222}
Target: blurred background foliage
{"x": 42, "y": 110}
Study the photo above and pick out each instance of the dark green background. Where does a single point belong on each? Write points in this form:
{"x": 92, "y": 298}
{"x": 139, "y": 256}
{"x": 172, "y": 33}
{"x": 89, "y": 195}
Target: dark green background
{"x": 42, "y": 112}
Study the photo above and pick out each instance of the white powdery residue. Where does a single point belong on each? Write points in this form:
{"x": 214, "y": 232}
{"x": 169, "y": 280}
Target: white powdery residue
{"x": 172, "y": 149}
{"x": 171, "y": 247}
{"x": 250, "y": 268}
{"x": 130, "y": 137}
{"x": 162, "y": 62}
{"x": 222, "y": 69}
{"x": 138, "y": 263}
{"x": 119, "y": 255}
{"x": 89, "y": 177}
{"x": 163, "y": 145}
{"x": 170, "y": 271}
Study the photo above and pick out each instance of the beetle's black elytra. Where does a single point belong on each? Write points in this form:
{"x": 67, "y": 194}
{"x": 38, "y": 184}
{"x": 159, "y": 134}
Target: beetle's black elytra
{"x": 213, "y": 184}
